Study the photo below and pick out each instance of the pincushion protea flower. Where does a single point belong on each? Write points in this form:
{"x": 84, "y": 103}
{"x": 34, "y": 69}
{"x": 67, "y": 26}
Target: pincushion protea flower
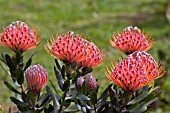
{"x": 36, "y": 78}
{"x": 19, "y": 37}
{"x": 134, "y": 72}
{"x": 131, "y": 40}
{"x": 75, "y": 49}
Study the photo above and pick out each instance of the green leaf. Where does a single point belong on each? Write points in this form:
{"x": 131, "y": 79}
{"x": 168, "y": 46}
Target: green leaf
{"x": 24, "y": 97}
{"x": 139, "y": 106}
{"x": 66, "y": 85}
{"x": 113, "y": 95}
{"x": 67, "y": 101}
{"x": 86, "y": 71}
{"x": 85, "y": 105}
{"x": 20, "y": 76}
{"x": 132, "y": 106}
{"x": 149, "y": 97}
{"x": 11, "y": 87}
{"x": 72, "y": 76}
{"x": 23, "y": 110}
{"x": 45, "y": 103}
{"x": 138, "y": 98}
{"x": 155, "y": 88}
{"x": 63, "y": 71}
{"x": 59, "y": 78}
{"x": 93, "y": 97}
{"x": 3, "y": 58}
{"x": 28, "y": 63}
{"x": 79, "y": 96}
{"x": 9, "y": 62}
{"x": 142, "y": 107}
{"x": 145, "y": 100}
{"x": 102, "y": 102}
{"x": 54, "y": 87}
{"x": 18, "y": 102}
{"x": 105, "y": 92}
{"x": 57, "y": 64}
{"x": 50, "y": 109}
{"x": 72, "y": 108}
{"x": 74, "y": 66}
{"x": 42, "y": 98}
{"x": 55, "y": 101}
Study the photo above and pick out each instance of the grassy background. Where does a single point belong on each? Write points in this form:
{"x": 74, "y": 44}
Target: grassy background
{"x": 97, "y": 19}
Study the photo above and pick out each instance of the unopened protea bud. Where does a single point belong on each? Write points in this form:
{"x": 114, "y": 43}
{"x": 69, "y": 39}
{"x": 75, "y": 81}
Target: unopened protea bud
{"x": 79, "y": 84}
{"x": 36, "y": 78}
{"x": 90, "y": 82}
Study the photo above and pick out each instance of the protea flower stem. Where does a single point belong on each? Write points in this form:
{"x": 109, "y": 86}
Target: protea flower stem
{"x": 22, "y": 88}
{"x": 34, "y": 98}
{"x": 63, "y": 99}
{"x": 127, "y": 98}
{"x": 95, "y": 108}
{"x": 19, "y": 65}
{"x": 17, "y": 60}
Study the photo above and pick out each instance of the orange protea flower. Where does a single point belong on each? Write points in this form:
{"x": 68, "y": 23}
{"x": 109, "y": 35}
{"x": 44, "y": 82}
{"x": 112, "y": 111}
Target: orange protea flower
{"x": 19, "y": 37}
{"x": 75, "y": 49}
{"x": 134, "y": 72}
{"x": 132, "y": 39}
{"x": 36, "y": 78}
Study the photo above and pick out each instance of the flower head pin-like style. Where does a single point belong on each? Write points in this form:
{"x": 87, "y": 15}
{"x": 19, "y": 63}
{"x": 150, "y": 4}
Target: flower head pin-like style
{"x": 75, "y": 50}
{"x": 19, "y": 37}
{"x": 36, "y": 78}
{"x": 131, "y": 40}
{"x": 135, "y": 71}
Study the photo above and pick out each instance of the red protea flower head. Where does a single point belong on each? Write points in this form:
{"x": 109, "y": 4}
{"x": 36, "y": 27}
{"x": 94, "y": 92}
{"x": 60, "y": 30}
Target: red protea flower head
{"x": 90, "y": 82}
{"x": 131, "y": 40}
{"x": 135, "y": 71}
{"x": 36, "y": 78}
{"x": 75, "y": 50}
{"x": 19, "y": 37}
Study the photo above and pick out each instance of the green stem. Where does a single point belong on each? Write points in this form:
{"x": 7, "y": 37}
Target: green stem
{"x": 63, "y": 99}
{"x": 95, "y": 108}
{"x": 126, "y": 99}
{"x": 22, "y": 88}
{"x": 34, "y": 98}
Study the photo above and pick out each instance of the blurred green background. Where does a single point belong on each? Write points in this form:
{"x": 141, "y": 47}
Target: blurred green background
{"x": 97, "y": 19}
